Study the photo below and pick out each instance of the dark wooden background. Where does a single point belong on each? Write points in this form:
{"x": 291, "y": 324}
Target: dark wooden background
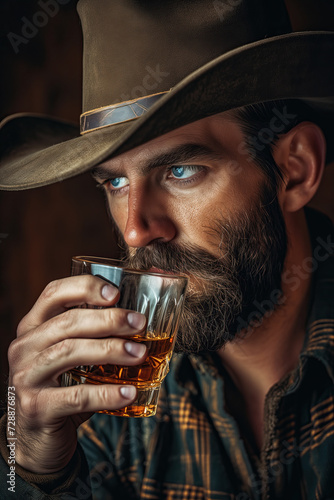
{"x": 46, "y": 226}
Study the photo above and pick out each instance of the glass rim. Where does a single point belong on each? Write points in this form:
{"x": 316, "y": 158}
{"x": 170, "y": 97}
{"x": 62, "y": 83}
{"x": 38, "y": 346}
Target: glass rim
{"x": 108, "y": 262}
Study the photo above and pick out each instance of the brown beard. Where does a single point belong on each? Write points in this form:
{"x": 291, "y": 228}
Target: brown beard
{"x": 222, "y": 291}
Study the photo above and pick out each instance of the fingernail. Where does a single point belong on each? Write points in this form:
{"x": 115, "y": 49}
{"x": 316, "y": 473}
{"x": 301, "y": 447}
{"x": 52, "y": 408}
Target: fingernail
{"x": 128, "y": 391}
{"x": 109, "y": 292}
{"x": 135, "y": 349}
{"x": 136, "y": 320}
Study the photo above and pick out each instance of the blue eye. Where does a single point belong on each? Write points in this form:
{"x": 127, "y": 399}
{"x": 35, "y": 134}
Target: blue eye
{"x": 118, "y": 182}
{"x": 185, "y": 171}
{"x": 178, "y": 171}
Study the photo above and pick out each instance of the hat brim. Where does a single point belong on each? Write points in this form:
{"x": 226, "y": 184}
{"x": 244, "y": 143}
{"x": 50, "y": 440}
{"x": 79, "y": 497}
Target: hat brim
{"x": 296, "y": 65}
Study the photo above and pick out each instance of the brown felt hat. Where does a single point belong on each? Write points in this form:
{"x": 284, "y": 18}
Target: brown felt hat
{"x": 152, "y": 66}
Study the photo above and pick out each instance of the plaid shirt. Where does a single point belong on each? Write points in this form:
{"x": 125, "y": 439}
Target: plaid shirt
{"x": 192, "y": 449}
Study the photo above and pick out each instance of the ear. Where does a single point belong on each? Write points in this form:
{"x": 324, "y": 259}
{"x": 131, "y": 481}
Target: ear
{"x": 301, "y": 154}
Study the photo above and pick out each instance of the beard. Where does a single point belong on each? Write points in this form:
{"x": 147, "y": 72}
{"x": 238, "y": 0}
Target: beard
{"x": 222, "y": 292}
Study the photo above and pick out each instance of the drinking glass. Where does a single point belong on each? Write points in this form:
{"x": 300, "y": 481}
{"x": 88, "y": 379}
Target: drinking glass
{"x": 160, "y": 298}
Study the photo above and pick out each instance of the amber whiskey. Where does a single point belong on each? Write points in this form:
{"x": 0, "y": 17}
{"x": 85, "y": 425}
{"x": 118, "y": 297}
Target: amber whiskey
{"x": 147, "y": 377}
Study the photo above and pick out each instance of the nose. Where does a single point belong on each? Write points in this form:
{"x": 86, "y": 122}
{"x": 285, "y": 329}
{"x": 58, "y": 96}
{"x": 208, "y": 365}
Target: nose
{"x": 147, "y": 220}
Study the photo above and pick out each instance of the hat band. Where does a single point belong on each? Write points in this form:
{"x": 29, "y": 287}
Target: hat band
{"x": 117, "y": 113}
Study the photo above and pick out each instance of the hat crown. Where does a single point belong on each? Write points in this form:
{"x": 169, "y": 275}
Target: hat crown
{"x": 134, "y": 48}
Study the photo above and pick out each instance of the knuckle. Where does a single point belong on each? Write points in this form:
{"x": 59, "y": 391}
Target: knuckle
{"x": 109, "y": 346}
{"x": 51, "y": 290}
{"x": 14, "y": 351}
{"x": 104, "y": 395}
{"x": 19, "y": 378}
{"x": 65, "y": 321}
{"x": 88, "y": 284}
{"x": 22, "y": 326}
{"x": 29, "y": 405}
{"x": 78, "y": 399}
{"x": 112, "y": 318}
{"x": 61, "y": 350}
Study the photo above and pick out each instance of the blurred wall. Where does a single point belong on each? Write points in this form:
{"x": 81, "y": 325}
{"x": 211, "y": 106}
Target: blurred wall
{"x": 42, "y": 228}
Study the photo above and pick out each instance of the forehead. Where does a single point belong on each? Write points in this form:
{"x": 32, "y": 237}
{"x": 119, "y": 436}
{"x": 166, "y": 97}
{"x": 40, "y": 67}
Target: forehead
{"x": 213, "y": 137}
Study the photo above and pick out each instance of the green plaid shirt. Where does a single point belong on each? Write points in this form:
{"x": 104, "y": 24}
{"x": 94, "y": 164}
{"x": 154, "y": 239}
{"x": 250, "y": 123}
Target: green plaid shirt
{"x": 192, "y": 449}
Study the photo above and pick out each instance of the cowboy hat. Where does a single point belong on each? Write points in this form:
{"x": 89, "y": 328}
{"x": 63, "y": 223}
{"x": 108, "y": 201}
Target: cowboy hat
{"x": 150, "y": 67}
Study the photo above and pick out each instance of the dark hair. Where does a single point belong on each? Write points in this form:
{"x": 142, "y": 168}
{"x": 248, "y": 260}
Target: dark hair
{"x": 264, "y": 123}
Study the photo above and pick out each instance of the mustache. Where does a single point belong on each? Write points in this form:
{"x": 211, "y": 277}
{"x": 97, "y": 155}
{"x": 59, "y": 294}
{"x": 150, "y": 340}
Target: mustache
{"x": 168, "y": 256}
{"x": 177, "y": 258}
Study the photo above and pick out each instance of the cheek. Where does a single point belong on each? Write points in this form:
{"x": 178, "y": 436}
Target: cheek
{"x": 195, "y": 215}
{"x": 216, "y": 199}
{"x": 119, "y": 213}
{"x": 220, "y": 201}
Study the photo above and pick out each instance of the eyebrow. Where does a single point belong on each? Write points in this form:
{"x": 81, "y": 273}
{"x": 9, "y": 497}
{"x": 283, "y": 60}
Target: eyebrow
{"x": 177, "y": 155}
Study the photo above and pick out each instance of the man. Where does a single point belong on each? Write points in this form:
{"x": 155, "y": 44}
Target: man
{"x": 210, "y": 182}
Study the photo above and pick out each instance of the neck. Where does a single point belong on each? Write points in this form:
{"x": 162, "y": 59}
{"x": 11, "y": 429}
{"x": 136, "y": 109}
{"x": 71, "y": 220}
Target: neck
{"x": 271, "y": 350}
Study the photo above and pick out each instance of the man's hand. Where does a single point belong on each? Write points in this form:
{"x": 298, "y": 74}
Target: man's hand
{"x": 53, "y": 338}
